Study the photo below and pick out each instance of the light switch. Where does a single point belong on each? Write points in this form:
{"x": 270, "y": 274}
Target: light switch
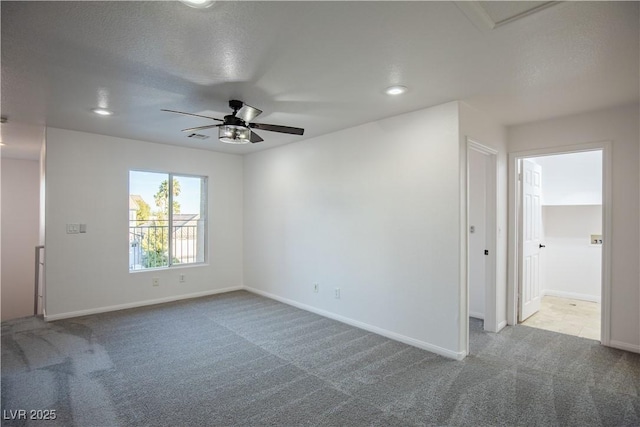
{"x": 73, "y": 228}
{"x": 83, "y": 228}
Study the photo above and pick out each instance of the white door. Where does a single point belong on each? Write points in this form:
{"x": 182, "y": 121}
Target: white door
{"x": 530, "y": 239}
{"x": 478, "y": 168}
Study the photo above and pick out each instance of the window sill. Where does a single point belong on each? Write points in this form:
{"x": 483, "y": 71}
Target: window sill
{"x": 175, "y": 267}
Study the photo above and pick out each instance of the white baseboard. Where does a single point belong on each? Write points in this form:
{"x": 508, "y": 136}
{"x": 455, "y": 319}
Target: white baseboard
{"x": 501, "y": 325}
{"x": 136, "y": 304}
{"x": 476, "y": 315}
{"x": 635, "y": 348}
{"x": 376, "y": 330}
{"x": 571, "y": 295}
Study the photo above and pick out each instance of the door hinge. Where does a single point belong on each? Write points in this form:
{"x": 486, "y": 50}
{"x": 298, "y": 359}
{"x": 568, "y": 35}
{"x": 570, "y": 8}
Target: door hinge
{"x": 486, "y": 251}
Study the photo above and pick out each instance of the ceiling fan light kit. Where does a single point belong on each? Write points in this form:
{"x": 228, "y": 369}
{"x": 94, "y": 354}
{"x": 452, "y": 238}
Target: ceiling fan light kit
{"x": 232, "y": 134}
{"x": 236, "y": 127}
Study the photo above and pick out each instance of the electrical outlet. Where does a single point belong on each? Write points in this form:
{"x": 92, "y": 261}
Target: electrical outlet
{"x": 337, "y": 293}
{"x": 316, "y": 287}
{"x": 182, "y": 278}
{"x": 155, "y": 281}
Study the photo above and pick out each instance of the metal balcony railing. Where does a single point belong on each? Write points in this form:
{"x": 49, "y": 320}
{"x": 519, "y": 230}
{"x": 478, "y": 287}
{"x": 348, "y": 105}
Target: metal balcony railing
{"x": 149, "y": 243}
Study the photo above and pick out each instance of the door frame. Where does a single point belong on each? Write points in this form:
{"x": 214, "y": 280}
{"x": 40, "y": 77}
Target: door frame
{"x": 490, "y": 318}
{"x": 514, "y": 201}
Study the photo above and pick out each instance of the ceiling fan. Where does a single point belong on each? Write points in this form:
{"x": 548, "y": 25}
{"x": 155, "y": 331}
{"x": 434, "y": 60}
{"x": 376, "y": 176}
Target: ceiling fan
{"x": 236, "y": 127}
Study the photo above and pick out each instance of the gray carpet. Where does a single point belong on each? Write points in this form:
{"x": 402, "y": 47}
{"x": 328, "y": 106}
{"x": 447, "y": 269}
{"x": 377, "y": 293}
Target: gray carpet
{"x": 239, "y": 359}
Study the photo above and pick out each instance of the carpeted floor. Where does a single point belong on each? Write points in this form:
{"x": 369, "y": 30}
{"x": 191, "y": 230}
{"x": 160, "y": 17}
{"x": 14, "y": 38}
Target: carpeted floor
{"x": 241, "y": 359}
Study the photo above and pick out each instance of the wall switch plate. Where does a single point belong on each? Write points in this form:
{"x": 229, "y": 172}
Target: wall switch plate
{"x": 337, "y": 293}
{"x": 73, "y": 228}
{"x": 155, "y": 281}
{"x": 316, "y": 287}
{"x": 182, "y": 278}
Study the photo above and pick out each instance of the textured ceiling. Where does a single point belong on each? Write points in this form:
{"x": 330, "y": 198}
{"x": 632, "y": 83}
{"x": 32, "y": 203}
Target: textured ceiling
{"x": 318, "y": 65}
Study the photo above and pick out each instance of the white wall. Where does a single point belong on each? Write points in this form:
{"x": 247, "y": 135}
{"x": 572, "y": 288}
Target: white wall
{"x": 484, "y": 130}
{"x": 87, "y": 182}
{"x": 619, "y": 125}
{"x": 20, "y": 227}
{"x": 42, "y": 196}
{"x": 573, "y": 266}
{"x": 571, "y": 179}
{"x": 373, "y": 210}
{"x": 42, "y": 279}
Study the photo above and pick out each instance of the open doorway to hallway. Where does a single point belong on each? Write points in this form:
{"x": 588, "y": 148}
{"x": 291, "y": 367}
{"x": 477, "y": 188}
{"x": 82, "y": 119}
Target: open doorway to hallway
{"x": 560, "y": 239}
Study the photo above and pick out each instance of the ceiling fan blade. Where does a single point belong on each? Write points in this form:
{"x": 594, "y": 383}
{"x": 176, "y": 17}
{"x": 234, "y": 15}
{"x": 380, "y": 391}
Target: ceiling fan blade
{"x": 248, "y": 113}
{"x": 191, "y": 114}
{"x": 277, "y": 128}
{"x": 255, "y": 138}
{"x": 200, "y": 128}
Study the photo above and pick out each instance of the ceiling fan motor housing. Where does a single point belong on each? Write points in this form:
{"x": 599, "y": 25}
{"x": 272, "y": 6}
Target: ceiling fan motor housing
{"x": 233, "y": 120}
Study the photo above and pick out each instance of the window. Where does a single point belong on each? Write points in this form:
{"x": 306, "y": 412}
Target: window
{"x": 167, "y": 220}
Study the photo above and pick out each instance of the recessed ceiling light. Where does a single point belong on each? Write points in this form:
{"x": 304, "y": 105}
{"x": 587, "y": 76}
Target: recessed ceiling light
{"x": 198, "y": 4}
{"x": 396, "y": 90}
{"x": 2, "y": 144}
{"x": 102, "y": 111}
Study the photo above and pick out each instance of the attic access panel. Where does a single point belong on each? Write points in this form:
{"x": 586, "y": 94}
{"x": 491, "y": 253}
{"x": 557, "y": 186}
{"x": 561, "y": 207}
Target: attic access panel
{"x": 502, "y": 12}
{"x": 488, "y": 15}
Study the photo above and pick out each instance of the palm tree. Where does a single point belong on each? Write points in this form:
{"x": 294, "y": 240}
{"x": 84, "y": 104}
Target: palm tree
{"x": 156, "y": 241}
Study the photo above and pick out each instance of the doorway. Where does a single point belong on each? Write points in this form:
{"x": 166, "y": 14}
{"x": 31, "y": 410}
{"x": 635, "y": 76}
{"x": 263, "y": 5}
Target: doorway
{"x": 558, "y": 258}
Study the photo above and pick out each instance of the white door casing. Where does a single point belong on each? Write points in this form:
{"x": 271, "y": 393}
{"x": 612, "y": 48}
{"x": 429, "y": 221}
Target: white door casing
{"x": 530, "y": 239}
{"x": 515, "y": 247}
